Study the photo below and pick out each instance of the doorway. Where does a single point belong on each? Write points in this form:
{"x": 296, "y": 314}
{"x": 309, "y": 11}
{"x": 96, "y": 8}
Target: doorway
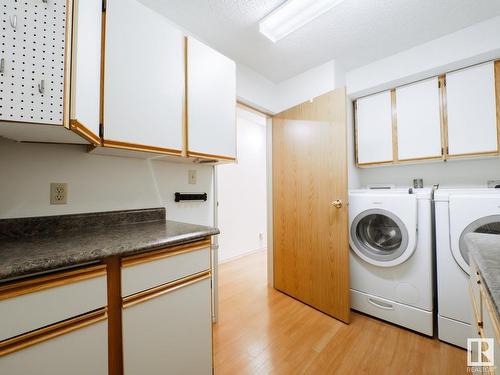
{"x": 242, "y": 191}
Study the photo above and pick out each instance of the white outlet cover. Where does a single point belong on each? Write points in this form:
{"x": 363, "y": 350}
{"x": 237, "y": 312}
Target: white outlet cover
{"x": 192, "y": 177}
{"x": 58, "y": 193}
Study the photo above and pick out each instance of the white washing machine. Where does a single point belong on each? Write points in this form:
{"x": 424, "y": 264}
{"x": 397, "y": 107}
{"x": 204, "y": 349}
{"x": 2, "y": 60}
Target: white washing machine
{"x": 459, "y": 211}
{"x": 391, "y": 255}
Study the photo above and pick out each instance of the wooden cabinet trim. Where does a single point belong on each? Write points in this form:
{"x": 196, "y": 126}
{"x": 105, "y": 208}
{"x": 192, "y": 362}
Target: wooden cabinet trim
{"x": 185, "y": 120}
{"x": 103, "y": 66}
{"x": 202, "y": 155}
{"x": 139, "y": 147}
{"x": 158, "y": 291}
{"x": 115, "y": 353}
{"x": 39, "y": 283}
{"x": 84, "y": 132}
{"x": 394, "y": 119}
{"x": 476, "y": 312}
{"x": 165, "y": 253}
{"x": 67, "y": 64}
{"x": 497, "y": 97}
{"x": 35, "y": 337}
{"x": 486, "y": 301}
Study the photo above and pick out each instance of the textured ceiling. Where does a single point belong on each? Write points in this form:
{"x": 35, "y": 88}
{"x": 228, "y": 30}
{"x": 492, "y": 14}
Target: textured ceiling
{"x": 354, "y": 33}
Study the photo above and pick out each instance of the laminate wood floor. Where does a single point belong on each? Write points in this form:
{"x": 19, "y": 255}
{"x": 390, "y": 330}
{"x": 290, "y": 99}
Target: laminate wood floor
{"x": 262, "y": 331}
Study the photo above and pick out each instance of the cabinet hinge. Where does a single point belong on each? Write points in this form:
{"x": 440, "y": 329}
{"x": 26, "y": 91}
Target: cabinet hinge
{"x": 103, "y": 5}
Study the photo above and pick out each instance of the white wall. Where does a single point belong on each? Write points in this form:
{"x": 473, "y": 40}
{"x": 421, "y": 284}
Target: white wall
{"x": 241, "y": 191}
{"x": 95, "y": 183}
{"x": 473, "y": 172}
{"x": 257, "y": 91}
{"x": 474, "y": 44}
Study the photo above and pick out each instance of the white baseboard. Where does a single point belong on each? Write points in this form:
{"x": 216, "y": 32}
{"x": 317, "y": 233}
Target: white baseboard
{"x": 222, "y": 261}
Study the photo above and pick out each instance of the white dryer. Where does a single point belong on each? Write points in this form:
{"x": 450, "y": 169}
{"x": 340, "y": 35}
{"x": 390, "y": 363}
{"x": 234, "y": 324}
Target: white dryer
{"x": 458, "y": 212}
{"x": 391, "y": 255}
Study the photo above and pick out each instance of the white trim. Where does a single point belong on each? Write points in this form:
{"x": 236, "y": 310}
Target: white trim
{"x": 236, "y": 257}
{"x": 269, "y": 171}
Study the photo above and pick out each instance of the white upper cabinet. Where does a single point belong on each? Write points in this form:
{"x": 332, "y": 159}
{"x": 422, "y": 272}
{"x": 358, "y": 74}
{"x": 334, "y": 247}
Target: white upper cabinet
{"x": 418, "y": 120}
{"x": 86, "y": 65}
{"x": 211, "y": 102}
{"x": 374, "y": 128}
{"x": 50, "y": 71}
{"x": 144, "y": 79}
{"x": 34, "y": 59}
{"x": 472, "y": 123}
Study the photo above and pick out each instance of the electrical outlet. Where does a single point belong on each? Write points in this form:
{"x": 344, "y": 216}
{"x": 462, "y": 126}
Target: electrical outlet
{"x": 192, "y": 177}
{"x": 58, "y": 193}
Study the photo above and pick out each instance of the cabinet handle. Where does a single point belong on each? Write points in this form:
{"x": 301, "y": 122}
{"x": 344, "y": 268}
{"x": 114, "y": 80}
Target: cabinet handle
{"x": 41, "y": 86}
{"x": 2, "y": 65}
{"x": 158, "y": 291}
{"x": 380, "y": 304}
{"x": 45, "y": 1}
{"x": 13, "y": 21}
{"x": 52, "y": 331}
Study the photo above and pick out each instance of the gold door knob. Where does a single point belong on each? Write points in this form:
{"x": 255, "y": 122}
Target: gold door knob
{"x": 337, "y": 203}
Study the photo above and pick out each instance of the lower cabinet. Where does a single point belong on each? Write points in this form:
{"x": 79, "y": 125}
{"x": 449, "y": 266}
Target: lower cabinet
{"x": 81, "y": 351}
{"x": 169, "y": 330}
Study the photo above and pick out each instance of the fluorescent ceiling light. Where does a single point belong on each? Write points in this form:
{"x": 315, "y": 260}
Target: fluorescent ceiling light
{"x": 292, "y": 15}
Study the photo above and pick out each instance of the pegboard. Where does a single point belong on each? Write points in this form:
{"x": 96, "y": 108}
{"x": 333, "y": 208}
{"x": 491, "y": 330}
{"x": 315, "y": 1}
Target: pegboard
{"x": 33, "y": 45}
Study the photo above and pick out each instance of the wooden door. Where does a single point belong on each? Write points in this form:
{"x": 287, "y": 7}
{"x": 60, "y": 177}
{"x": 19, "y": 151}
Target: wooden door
{"x": 311, "y": 248}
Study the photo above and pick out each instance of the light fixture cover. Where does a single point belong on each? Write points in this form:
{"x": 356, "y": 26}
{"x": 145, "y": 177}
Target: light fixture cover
{"x": 292, "y": 15}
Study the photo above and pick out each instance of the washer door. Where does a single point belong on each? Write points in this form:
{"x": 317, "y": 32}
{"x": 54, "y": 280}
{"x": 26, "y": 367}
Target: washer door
{"x": 488, "y": 224}
{"x": 380, "y": 238}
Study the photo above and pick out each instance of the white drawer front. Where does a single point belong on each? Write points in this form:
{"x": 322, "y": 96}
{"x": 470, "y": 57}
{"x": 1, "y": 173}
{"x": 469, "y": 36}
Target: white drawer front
{"x": 81, "y": 352}
{"x": 397, "y": 313}
{"x": 34, "y": 310}
{"x": 143, "y": 276}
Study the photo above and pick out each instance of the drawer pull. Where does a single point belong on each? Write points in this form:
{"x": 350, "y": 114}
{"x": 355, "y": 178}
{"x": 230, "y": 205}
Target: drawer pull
{"x": 146, "y": 295}
{"x": 380, "y": 304}
{"x": 43, "y": 334}
{"x": 478, "y": 281}
{"x": 480, "y": 324}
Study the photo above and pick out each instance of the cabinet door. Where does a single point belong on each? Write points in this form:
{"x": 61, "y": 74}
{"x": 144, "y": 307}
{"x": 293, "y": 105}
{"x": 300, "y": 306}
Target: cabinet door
{"x": 82, "y": 351}
{"x": 34, "y": 62}
{"x": 86, "y": 67}
{"x": 169, "y": 333}
{"x": 472, "y": 123}
{"x": 418, "y": 120}
{"x": 374, "y": 128}
{"x": 144, "y": 78}
{"x": 211, "y": 102}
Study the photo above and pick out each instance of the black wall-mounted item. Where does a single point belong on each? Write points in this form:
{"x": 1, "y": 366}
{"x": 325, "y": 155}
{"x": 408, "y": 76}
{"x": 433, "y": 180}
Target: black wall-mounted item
{"x": 179, "y": 197}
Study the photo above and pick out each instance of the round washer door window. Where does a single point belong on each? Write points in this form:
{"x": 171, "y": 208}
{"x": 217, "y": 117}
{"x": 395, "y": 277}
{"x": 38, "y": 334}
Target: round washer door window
{"x": 379, "y": 235}
{"x": 486, "y": 225}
